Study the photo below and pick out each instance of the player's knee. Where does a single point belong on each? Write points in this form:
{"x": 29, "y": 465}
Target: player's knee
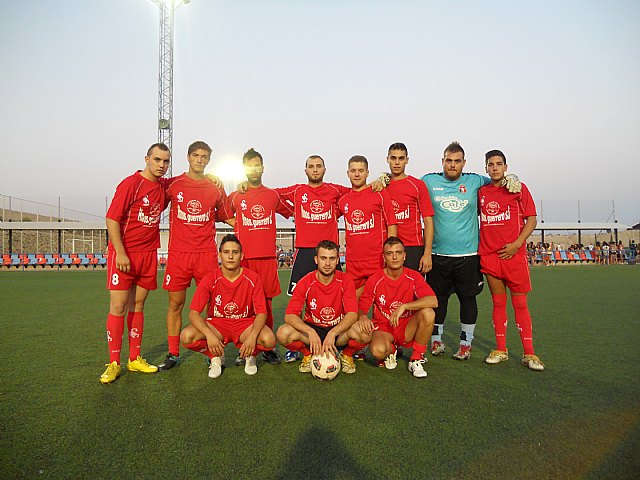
{"x": 283, "y": 333}
{"x": 267, "y": 338}
{"x": 117, "y": 309}
{"x": 378, "y": 350}
{"x": 187, "y": 336}
{"x": 427, "y": 317}
{"x": 176, "y": 306}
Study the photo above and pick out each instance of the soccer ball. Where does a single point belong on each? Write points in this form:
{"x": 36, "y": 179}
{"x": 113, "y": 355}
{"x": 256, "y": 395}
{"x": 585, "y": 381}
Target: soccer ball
{"x": 325, "y": 367}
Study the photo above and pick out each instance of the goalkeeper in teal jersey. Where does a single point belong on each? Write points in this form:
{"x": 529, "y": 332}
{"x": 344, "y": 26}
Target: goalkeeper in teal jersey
{"x": 456, "y": 264}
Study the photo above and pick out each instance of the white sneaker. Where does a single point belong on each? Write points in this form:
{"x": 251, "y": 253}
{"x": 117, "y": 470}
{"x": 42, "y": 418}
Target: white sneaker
{"x": 250, "y": 367}
{"x": 215, "y": 369}
{"x": 391, "y": 362}
{"x": 415, "y": 367}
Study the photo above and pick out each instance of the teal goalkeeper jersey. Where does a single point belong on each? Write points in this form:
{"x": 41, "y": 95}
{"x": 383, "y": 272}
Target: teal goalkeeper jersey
{"x": 455, "y": 222}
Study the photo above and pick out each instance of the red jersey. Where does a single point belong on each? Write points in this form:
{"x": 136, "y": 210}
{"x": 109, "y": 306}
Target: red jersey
{"x": 136, "y": 206}
{"x": 325, "y": 305}
{"x": 255, "y": 226}
{"x": 387, "y": 294}
{"x": 195, "y": 207}
{"x": 502, "y": 217}
{"x": 315, "y": 212}
{"x": 366, "y": 217}
{"x": 411, "y": 203}
{"x": 240, "y": 299}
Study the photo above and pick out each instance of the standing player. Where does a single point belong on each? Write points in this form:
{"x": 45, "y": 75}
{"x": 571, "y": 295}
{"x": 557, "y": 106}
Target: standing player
{"x": 403, "y": 313}
{"x": 236, "y": 312}
{"x": 506, "y": 221}
{"x": 328, "y": 298}
{"x": 196, "y": 204}
{"x": 368, "y": 219}
{"x": 133, "y": 225}
{"x": 456, "y": 265}
{"x": 412, "y": 207}
{"x": 255, "y": 225}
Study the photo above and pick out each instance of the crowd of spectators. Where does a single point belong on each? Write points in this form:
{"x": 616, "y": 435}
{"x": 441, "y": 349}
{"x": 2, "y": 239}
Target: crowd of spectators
{"x": 602, "y": 253}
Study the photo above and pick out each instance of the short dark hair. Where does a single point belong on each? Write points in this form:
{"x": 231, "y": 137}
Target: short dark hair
{"x": 398, "y": 146}
{"x": 327, "y": 245}
{"x": 359, "y": 159}
{"x": 494, "y": 153}
{"x": 251, "y": 153}
{"x": 311, "y": 157}
{"x": 199, "y": 145}
{"x": 159, "y": 146}
{"x": 392, "y": 241}
{"x": 230, "y": 237}
{"x": 453, "y": 147}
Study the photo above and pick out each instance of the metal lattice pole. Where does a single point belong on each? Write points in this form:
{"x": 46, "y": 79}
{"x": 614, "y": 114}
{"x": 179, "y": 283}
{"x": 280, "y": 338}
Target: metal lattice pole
{"x": 165, "y": 79}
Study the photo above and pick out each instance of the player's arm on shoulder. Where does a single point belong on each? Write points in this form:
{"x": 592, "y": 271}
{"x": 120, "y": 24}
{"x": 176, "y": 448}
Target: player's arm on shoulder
{"x": 512, "y": 182}
{"x": 215, "y": 180}
{"x": 115, "y": 235}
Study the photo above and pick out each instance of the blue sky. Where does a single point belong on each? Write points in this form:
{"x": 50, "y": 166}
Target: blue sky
{"x": 554, "y": 84}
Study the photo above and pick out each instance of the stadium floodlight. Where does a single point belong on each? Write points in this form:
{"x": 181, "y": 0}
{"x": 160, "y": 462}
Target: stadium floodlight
{"x": 165, "y": 76}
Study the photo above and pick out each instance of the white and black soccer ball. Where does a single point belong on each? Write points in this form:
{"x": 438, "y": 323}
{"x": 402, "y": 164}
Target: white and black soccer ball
{"x": 325, "y": 367}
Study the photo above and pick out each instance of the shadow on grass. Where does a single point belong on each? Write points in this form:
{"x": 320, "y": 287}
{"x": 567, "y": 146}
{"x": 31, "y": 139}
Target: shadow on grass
{"x": 319, "y": 454}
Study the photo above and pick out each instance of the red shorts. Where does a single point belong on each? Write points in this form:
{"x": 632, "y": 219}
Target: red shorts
{"x": 360, "y": 271}
{"x": 267, "y": 270}
{"x": 231, "y": 328}
{"x": 399, "y": 332}
{"x": 143, "y": 271}
{"x": 183, "y": 266}
{"x": 514, "y": 271}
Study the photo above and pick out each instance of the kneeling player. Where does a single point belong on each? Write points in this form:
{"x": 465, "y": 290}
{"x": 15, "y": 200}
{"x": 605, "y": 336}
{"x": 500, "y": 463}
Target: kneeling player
{"x": 506, "y": 221}
{"x": 402, "y": 314}
{"x": 237, "y": 312}
{"x": 330, "y": 308}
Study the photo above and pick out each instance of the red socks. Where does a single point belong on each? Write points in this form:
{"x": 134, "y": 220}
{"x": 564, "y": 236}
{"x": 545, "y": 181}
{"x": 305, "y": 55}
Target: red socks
{"x": 174, "y": 344}
{"x": 500, "y": 320}
{"x": 298, "y": 346}
{"x": 115, "y": 329}
{"x": 523, "y": 321}
{"x": 352, "y": 347}
{"x": 135, "y": 322}
{"x": 418, "y": 351}
{"x": 200, "y": 346}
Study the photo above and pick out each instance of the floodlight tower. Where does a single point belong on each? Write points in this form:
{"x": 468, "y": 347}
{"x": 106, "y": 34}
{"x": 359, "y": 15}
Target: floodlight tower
{"x": 165, "y": 77}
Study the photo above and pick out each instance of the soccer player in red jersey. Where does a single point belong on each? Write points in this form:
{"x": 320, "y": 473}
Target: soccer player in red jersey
{"x": 316, "y": 205}
{"x": 196, "y": 204}
{"x": 236, "y": 312}
{"x": 133, "y": 225}
{"x": 412, "y": 206}
{"x": 506, "y": 221}
{"x": 369, "y": 219}
{"x": 403, "y": 314}
{"x": 255, "y": 225}
{"x": 328, "y": 298}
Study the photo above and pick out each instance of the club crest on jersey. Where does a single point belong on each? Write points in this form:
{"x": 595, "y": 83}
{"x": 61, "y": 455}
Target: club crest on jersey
{"x": 145, "y": 200}
{"x": 231, "y": 309}
{"x": 493, "y": 208}
{"x": 313, "y": 304}
{"x": 257, "y": 212}
{"x": 357, "y": 216}
{"x": 218, "y": 299}
{"x": 180, "y": 197}
{"x": 316, "y": 206}
{"x": 194, "y": 207}
{"x": 462, "y": 189}
{"x": 243, "y": 204}
{"x": 304, "y": 198}
{"x": 346, "y": 208}
{"x": 327, "y": 314}
{"x": 382, "y": 300}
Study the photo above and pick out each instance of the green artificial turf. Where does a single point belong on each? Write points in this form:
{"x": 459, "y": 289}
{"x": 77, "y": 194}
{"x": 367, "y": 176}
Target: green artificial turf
{"x": 577, "y": 419}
